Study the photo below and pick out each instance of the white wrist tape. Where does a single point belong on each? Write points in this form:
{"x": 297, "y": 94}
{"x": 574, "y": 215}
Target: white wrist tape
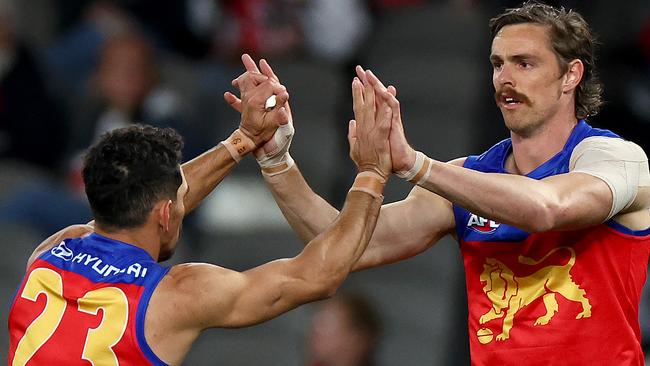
{"x": 279, "y": 168}
{"x": 278, "y": 156}
{"x": 419, "y": 172}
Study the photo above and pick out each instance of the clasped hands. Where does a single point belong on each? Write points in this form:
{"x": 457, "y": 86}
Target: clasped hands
{"x": 376, "y": 135}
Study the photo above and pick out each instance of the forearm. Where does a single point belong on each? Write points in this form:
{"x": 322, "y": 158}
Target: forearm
{"x": 204, "y": 173}
{"x": 334, "y": 252}
{"x": 307, "y": 213}
{"x": 506, "y": 198}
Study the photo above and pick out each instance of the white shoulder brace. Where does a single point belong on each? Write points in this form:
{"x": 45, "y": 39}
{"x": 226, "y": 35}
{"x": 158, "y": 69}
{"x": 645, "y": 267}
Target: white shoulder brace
{"x": 623, "y": 165}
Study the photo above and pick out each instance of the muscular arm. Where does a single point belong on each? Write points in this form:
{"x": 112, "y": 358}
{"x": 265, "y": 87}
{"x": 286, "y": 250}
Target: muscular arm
{"x": 271, "y": 289}
{"x": 210, "y": 296}
{"x": 560, "y": 202}
{"x": 404, "y": 228}
{"x": 200, "y": 295}
{"x": 204, "y": 173}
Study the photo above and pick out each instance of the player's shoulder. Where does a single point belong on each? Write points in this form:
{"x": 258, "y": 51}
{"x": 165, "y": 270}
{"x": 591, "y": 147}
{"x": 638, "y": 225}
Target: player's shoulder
{"x": 72, "y": 231}
{"x": 609, "y": 148}
{"x": 190, "y": 292}
{"x": 189, "y": 278}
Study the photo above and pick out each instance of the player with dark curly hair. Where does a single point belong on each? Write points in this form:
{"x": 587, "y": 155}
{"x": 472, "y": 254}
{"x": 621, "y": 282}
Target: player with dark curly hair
{"x": 96, "y": 293}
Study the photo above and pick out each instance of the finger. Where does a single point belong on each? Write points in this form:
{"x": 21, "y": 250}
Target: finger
{"x": 352, "y": 129}
{"x": 369, "y": 101}
{"x": 284, "y": 116}
{"x": 392, "y": 90}
{"x": 249, "y": 63}
{"x": 281, "y": 98}
{"x": 352, "y": 136}
{"x": 231, "y": 99}
{"x": 248, "y": 81}
{"x": 374, "y": 81}
{"x": 361, "y": 74}
{"x": 267, "y": 70}
{"x": 279, "y": 116}
{"x": 357, "y": 97}
{"x": 397, "y": 116}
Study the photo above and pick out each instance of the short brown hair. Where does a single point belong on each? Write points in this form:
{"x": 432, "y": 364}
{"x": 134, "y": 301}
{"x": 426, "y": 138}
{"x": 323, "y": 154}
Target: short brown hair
{"x": 571, "y": 39}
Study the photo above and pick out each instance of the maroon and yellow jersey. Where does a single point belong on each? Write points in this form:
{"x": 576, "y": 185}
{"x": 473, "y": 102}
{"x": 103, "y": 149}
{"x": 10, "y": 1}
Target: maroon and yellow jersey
{"x": 553, "y": 298}
{"x": 84, "y": 303}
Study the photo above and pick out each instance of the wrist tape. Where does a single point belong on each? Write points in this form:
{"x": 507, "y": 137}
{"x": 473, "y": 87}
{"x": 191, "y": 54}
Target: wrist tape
{"x": 278, "y": 160}
{"x": 369, "y": 182}
{"x": 282, "y": 167}
{"x": 420, "y": 171}
{"x": 238, "y": 145}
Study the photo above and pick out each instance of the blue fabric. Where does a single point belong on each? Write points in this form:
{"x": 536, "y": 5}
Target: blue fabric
{"x": 101, "y": 259}
{"x": 471, "y": 228}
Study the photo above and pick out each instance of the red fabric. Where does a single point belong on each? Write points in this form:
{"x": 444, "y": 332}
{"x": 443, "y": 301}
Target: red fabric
{"x": 609, "y": 266}
{"x": 68, "y": 340}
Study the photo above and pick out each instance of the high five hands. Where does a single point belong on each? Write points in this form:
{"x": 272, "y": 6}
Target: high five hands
{"x": 273, "y": 156}
{"x": 376, "y": 134}
{"x": 402, "y": 154}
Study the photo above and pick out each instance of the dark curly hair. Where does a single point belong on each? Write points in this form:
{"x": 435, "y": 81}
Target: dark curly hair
{"x": 130, "y": 169}
{"x": 571, "y": 39}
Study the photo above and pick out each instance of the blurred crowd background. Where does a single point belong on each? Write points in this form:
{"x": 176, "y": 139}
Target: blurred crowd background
{"x": 73, "y": 69}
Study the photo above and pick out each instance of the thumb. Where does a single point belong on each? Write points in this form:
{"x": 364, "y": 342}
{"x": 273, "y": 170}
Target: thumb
{"x": 234, "y": 102}
{"x": 352, "y": 137}
{"x": 284, "y": 116}
{"x": 352, "y": 130}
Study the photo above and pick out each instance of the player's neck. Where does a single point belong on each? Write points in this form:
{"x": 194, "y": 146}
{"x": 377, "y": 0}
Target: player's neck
{"x": 529, "y": 152}
{"x": 141, "y": 237}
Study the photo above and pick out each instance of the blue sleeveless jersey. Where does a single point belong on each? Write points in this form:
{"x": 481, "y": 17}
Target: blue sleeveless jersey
{"x": 552, "y": 298}
{"x": 85, "y": 301}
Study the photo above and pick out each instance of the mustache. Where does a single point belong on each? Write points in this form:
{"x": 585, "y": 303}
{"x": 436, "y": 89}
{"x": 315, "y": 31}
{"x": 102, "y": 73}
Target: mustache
{"x": 498, "y": 95}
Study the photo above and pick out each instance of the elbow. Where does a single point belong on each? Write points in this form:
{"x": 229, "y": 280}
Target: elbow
{"x": 544, "y": 216}
{"x": 328, "y": 283}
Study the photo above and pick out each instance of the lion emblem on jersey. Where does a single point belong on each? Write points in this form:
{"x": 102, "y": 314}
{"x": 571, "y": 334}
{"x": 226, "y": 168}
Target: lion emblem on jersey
{"x": 510, "y": 293}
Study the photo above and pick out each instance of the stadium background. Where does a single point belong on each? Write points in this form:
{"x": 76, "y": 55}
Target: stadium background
{"x": 63, "y": 67}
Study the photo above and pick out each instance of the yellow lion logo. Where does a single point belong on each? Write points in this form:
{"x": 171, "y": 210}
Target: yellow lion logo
{"x": 510, "y": 293}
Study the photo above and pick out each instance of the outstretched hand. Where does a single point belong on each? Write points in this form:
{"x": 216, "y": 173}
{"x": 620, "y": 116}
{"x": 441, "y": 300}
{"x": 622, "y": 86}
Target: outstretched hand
{"x": 402, "y": 154}
{"x": 252, "y": 77}
{"x": 258, "y": 122}
{"x": 369, "y": 132}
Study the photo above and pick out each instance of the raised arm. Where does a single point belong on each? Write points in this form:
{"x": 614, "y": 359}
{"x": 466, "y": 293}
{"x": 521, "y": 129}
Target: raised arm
{"x": 258, "y": 124}
{"x": 269, "y": 290}
{"x": 580, "y": 198}
{"x": 211, "y": 296}
{"x": 206, "y": 171}
{"x": 404, "y": 228}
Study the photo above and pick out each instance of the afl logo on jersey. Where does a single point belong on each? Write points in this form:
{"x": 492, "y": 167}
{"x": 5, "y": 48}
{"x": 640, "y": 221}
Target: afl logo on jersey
{"x": 481, "y": 225}
{"x": 62, "y": 252}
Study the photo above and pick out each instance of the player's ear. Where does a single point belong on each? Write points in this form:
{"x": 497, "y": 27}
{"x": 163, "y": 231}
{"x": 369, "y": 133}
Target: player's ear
{"x": 163, "y": 211}
{"x": 572, "y": 77}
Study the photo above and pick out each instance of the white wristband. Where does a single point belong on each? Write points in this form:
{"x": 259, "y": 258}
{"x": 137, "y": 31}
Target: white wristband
{"x": 277, "y": 160}
{"x": 419, "y": 172}
{"x": 279, "y": 168}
